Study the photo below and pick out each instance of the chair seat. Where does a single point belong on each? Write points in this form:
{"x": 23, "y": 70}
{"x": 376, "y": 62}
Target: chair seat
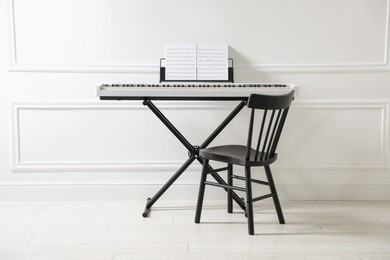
{"x": 235, "y": 154}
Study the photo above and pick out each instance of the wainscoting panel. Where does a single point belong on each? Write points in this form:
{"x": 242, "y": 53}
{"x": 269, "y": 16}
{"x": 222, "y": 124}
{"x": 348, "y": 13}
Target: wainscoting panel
{"x": 121, "y": 36}
{"x": 337, "y": 134}
{"x": 92, "y": 136}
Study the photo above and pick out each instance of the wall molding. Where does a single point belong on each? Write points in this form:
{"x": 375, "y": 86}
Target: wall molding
{"x": 18, "y": 165}
{"x": 16, "y": 66}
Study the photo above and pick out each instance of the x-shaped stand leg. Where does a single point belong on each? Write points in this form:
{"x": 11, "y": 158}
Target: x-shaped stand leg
{"x": 193, "y": 152}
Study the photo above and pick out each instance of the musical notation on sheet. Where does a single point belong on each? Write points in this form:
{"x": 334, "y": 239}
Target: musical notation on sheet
{"x": 180, "y": 62}
{"x": 196, "y": 62}
{"x": 212, "y": 62}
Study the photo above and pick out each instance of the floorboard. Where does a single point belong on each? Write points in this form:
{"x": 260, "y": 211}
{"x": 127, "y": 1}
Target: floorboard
{"x": 115, "y": 230}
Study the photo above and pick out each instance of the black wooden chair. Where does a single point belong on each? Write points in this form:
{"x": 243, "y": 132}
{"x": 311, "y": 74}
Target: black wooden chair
{"x": 274, "y": 110}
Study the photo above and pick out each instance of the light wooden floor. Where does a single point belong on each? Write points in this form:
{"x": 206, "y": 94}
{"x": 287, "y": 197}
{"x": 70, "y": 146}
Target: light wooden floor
{"x": 116, "y": 231}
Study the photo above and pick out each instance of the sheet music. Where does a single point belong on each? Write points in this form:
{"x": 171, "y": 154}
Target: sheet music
{"x": 196, "y": 62}
{"x": 180, "y": 62}
{"x": 212, "y": 62}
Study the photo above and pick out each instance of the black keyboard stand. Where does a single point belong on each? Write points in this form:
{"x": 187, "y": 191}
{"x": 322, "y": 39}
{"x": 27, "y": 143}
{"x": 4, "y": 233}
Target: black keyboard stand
{"x": 193, "y": 151}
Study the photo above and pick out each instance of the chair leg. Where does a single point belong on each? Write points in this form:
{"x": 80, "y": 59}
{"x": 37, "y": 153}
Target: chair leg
{"x": 230, "y": 192}
{"x": 275, "y": 196}
{"x": 249, "y": 203}
{"x": 202, "y": 187}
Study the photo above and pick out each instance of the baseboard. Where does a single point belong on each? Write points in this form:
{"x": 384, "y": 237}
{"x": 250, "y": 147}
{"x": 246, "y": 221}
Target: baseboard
{"x": 185, "y": 192}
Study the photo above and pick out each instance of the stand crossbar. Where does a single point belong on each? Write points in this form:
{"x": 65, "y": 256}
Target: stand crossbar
{"x": 193, "y": 152}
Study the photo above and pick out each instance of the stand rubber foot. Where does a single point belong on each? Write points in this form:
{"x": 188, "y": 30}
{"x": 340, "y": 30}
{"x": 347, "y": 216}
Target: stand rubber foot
{"x": 147, "y": 208}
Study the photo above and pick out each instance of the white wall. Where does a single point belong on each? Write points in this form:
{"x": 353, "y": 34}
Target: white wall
{"x": 58, "y": 141}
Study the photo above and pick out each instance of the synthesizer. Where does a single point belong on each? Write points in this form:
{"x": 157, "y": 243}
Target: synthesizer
{"x": 189, "y": 91}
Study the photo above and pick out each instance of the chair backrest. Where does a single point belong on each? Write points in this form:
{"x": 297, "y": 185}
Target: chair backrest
{"x": 275, "y": 109}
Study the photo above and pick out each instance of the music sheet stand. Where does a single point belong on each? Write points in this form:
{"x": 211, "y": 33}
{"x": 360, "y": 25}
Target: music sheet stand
{"x": 230, "y": 74}
{"x": 193, "y": 150}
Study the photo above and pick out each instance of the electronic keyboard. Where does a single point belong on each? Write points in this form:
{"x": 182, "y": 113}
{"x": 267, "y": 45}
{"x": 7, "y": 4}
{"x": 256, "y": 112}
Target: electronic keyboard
{"x": 189, "y": 91}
